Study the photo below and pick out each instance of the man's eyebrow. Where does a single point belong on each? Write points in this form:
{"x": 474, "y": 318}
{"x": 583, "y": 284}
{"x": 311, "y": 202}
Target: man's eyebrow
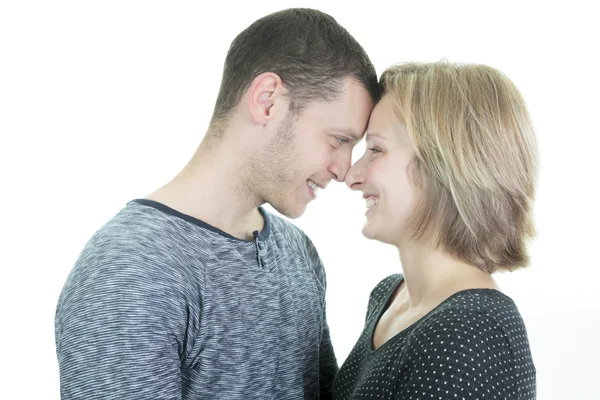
{"x": 348, "y": 132}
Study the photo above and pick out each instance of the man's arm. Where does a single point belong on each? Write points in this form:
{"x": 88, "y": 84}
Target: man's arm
{"x": 119, "y": 335}
{"x": 328, "y": 366}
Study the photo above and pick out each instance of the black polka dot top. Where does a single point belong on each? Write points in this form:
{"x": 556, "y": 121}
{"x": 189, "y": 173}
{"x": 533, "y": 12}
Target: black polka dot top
{"x": 472, "y": 346}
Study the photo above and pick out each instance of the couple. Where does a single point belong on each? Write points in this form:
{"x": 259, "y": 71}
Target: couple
{"x": 197, "y": 292}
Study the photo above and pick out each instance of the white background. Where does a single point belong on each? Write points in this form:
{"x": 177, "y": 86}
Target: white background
{"x": 102, "y": 102}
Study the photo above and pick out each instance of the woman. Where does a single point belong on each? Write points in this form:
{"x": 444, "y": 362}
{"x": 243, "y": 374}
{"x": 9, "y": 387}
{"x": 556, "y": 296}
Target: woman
{"x": 448, "y": 177}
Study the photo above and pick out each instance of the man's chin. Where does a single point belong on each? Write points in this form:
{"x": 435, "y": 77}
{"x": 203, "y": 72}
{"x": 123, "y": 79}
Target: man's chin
{"x": 290, "y": 211}
{"x": 296, "y": 213}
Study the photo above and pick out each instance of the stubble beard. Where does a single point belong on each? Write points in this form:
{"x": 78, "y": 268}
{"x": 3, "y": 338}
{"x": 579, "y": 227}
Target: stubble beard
{"x": 275, "y": 169}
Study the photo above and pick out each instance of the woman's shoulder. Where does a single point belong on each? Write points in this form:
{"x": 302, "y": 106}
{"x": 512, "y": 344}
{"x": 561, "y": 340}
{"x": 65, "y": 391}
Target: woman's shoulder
{"x": 381, "y": 293}
{"x": 384, "y": 289}
{"x": 474, "y": 319}
{"x": 475, "y": 342}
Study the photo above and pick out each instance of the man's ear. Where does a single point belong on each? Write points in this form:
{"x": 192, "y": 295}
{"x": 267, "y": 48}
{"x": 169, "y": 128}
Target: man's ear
{"x": 266, "y": 96}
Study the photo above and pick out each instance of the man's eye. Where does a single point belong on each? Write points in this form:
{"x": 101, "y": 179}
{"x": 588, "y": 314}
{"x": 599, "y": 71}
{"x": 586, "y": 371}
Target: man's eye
{"x": 342, "y": 141}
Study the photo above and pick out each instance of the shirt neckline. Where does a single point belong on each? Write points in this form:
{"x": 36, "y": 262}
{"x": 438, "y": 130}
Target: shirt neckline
{"x": 263, "y": 235}
{"x": 385, "y": 305}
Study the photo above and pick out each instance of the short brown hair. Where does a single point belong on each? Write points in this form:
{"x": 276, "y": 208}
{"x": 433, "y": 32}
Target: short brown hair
{"x": 475, "y": 160}
{"x": 309, "y": 51}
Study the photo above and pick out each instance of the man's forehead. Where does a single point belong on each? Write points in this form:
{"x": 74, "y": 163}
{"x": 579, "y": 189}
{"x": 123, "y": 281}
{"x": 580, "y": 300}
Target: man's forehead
{"x": 374, "y": 135}
{"x": 350, "y": 132}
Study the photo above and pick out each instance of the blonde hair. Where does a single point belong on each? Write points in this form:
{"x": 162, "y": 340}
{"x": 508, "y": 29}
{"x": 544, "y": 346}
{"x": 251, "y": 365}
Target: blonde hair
{"x": 475, "y": 160}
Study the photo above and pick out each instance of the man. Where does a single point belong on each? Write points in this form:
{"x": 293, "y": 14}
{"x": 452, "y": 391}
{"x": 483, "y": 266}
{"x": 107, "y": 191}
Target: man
{"x": 196, "y": 292}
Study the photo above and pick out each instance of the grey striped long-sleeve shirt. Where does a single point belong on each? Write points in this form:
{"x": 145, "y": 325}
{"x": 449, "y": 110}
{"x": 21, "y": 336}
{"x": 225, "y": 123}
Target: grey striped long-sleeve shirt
{"x": 161, "y": 305}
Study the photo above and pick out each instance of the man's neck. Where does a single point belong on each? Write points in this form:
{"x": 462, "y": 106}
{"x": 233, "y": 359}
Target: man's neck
{"x": 210, "y": 188}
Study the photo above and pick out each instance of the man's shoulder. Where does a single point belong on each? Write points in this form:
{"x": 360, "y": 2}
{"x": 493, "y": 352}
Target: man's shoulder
{"x": 293, "y": 235}
{"x": 294, "y": 238}
{"x": 143, "y": 240}
{"x": 283, "y": 225}
{"x": 140, "y": 224}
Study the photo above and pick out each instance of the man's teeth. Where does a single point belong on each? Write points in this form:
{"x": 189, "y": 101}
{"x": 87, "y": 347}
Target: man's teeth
{"x": 371, "y": 202}
{"x": 313, "y": 186}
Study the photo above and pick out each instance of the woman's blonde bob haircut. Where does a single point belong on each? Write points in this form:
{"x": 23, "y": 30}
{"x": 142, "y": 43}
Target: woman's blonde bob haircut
{"x": 475, "y": 160}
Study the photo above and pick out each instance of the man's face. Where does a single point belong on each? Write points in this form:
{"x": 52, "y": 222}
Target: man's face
{"x": 311, "y": 149}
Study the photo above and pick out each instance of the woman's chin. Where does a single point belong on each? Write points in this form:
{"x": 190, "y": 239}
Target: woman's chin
{"x": 372, "y": 232}
{"x": 369, "y": 231}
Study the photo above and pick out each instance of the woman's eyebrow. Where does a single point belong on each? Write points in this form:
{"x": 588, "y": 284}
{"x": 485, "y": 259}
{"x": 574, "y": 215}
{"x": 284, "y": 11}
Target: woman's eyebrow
{"x": 377, "y": 135}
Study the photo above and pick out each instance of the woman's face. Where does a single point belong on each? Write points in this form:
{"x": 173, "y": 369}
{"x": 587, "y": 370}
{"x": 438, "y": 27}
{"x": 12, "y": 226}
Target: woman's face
{"x": 382, "y": 174}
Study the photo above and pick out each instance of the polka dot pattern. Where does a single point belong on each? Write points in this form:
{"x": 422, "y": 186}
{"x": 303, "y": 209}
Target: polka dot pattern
{"x": 472, "y": 346}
